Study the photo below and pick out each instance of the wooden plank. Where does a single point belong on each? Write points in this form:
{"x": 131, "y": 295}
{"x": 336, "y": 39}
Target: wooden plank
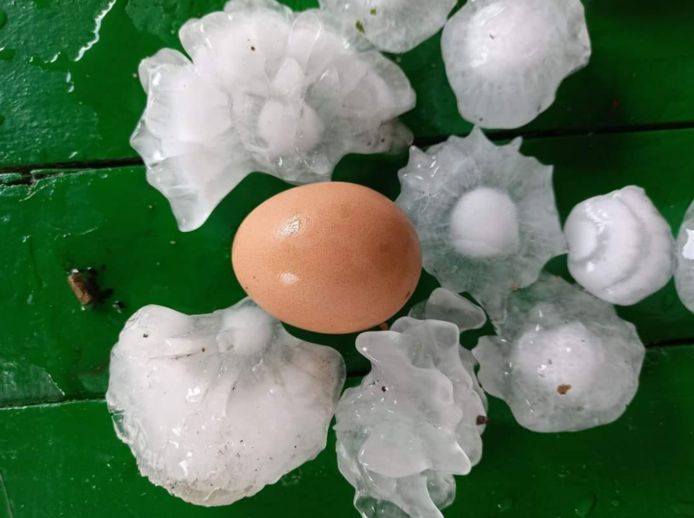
{"x": 69, "y": 91}
{"x": 112, "y": 221}
{"x": 636, "y": 467}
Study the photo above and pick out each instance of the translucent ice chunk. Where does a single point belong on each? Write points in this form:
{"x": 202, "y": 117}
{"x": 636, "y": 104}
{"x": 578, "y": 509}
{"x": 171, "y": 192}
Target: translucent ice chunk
{"x": 448, "y": 306}
{"x": 684, "y": 275}
{"x": 214, "y": 407}
{"x": 563, "y": 360}
{"x": 414, "y": 421}
{"x": 393, "y": 25}
{"x": 265, "y": 89}
{"x": 620, "y": 247}
{"x": 485, "y": 215}
{"x": 505, "y": 59}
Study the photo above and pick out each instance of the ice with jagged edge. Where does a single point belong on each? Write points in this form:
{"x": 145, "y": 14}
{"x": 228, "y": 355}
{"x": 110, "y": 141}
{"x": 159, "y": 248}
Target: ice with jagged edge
{"x": 485, "y": 215}
{"x": 413, "y": 423}
{"x": 563, "y": 360}
{"x": 684, "y": 275}
{"x": 265, "y": 89}
{"x": 214, "y": 407}
{"x": 505, "y": 59}
{"x": 448, "y": 306}
{"x": 620, "y": 248}
{"x": 392, "y": 25}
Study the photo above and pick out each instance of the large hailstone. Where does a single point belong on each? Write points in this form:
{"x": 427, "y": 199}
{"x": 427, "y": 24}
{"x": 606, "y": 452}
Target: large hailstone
{"x": 505, "y": 59}
{"x": 620, "y": 247}
{"x": 563, "y": 360}
{"x": 485, "y": 215}
{"x": 684, "y": 275}
{"x": 214, "y": 407}
{"x": 413, "y": 423}
{"x": 393, "y": 25}
{"x": 265, "y": 90}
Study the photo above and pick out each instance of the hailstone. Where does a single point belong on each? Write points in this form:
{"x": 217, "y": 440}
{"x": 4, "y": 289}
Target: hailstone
{"x": 214, "y": 407}
{"x": 414, "y": 421}
{"x": 393, "y": 25}
{"x": 265, "y": 89}
{"x": 485, "y": 215}
{"x": 620, "y": 247}
{"x": 505, "y": 59}
{"x": 448, "y": 306}
{"x": 563, "y": 360}
{"x": 684, "y": 275}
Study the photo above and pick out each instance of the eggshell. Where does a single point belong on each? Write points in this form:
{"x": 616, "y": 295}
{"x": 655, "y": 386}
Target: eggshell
{"x": 329, "y": 257}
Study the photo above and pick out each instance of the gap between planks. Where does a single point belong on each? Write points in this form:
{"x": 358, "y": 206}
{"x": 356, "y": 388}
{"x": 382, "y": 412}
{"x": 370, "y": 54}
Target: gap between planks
{"x": 352, "y": 379}
{"x": 50, "y": 169}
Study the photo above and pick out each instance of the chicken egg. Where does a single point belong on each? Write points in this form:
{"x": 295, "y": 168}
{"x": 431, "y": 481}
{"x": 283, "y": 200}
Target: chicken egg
{"x": 329, "y": 257}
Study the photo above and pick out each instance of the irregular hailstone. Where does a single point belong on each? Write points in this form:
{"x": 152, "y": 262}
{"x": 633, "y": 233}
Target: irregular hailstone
{"x": 620, "y": 247}
{"x": 414, "y": 421}
{"x": 393, "y": 25}
{"x": 684, "y": 275}
{"x": 266, "y": 90}
{"x": 448, "y": 306}
{"x": 505, "y": 59}
{"x": 563, "y": 360}
{"x": 485, "y": 215}
{"x": 214, "y": 407}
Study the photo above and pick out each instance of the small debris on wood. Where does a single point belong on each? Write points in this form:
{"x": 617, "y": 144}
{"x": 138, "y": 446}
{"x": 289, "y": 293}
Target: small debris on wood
{"x": 563, "y": 389}
{"x": 82, "y": 286}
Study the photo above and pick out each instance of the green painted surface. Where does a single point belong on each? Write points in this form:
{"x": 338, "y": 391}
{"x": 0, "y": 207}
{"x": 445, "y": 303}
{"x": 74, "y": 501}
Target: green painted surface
{"x": 69, "y": 91}
{"x": 69, "y": 94}
{"x": 112, "y": 221}
{"x": 73, "y": 465}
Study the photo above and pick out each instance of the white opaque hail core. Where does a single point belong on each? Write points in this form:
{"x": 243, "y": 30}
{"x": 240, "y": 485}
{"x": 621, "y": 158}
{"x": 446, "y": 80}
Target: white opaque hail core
{"x": 413, "y": 422}
{"x": 263, "y": 89}
{"x": 505, "y": 59}
{"x": 620, "y": 247}
{"x": 392, "y": 25}
{"x": 484, "y": 223}
{"x": 485, "y": 215}
{"x": 563, "y": 360}
{"x": 214, "y": 407}
{"x": 684, "y": 275}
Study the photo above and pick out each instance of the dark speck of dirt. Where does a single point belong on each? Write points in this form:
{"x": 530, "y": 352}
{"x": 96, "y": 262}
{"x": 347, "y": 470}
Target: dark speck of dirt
{"x": 85, "y": 286}
{"x": 145, "y": 335}
{"x": 482, "y": 419}
{"x": 384, "y": 389}
{"x": 563, "y": 389}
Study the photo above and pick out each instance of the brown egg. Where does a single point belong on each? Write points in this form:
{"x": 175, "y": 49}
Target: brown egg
{"x": 329, "y": 257}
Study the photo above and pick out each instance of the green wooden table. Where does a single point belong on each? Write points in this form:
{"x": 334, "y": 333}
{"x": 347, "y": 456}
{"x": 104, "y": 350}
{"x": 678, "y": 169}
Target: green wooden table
{"x": 73, "y": 195}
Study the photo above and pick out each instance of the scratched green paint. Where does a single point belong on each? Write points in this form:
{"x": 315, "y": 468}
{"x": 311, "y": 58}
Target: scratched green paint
{"x": 636, "y": 467}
